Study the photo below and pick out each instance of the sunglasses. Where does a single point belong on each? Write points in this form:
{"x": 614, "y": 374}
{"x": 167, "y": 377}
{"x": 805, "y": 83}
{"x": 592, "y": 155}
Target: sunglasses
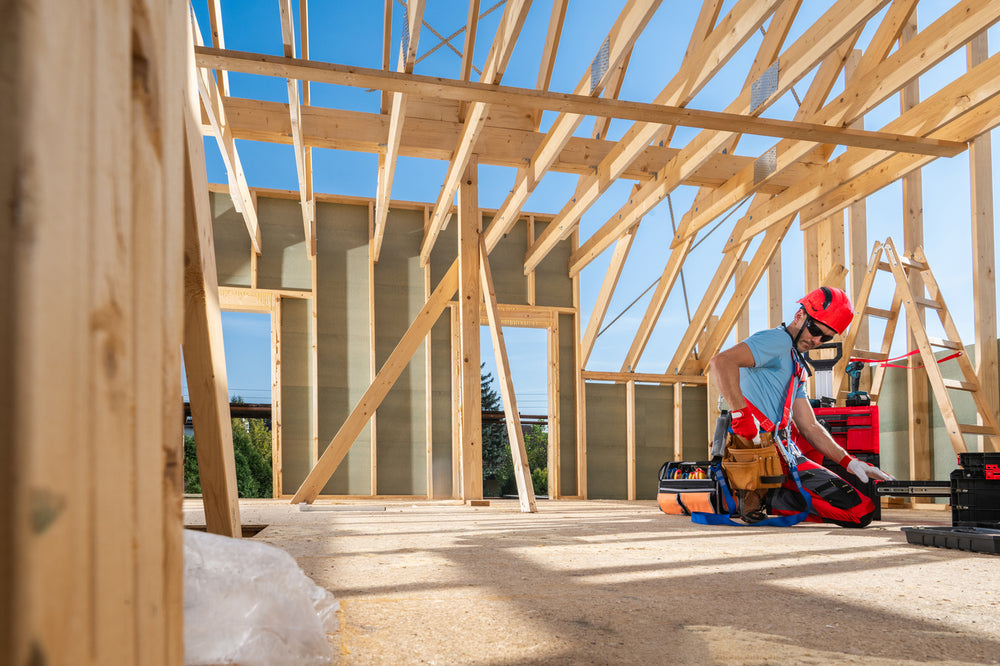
{"x": 815, "y": 330}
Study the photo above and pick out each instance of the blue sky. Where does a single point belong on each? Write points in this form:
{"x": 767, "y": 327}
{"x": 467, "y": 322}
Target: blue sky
{"x": 350, "y": 33}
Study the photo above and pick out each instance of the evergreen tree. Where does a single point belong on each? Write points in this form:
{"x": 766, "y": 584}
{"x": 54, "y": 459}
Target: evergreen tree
{"x": 497, "y": 463}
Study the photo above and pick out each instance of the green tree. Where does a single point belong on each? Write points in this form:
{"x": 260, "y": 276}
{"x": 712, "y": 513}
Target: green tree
{"x": 252, "y": 454}
{"x": 536, "y": 444}
{"x": 497, "y": 461}
{"x": 497, "y": 465}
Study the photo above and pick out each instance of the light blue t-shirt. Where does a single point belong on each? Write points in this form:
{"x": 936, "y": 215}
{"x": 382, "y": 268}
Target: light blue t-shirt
{"x": 766, "y": 384}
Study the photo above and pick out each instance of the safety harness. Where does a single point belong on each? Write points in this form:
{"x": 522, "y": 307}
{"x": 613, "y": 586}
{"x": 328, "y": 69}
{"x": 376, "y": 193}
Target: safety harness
{"x": 789, "y": 451}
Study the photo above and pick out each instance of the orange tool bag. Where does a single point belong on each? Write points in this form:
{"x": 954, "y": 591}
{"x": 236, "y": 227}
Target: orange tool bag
{"x": 686, "y": 487}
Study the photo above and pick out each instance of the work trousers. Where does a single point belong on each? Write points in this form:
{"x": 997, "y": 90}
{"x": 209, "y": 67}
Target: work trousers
{"x": 834, "y": 500}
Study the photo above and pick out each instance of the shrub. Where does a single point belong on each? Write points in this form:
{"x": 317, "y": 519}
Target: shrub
{"x": 252, "y": 454}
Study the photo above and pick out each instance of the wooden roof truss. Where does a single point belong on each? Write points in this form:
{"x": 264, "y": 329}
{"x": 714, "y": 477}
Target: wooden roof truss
{"x": 801, "y": 176}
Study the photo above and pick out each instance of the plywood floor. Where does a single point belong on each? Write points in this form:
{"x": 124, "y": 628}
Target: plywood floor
{"x": 614, "y": 582}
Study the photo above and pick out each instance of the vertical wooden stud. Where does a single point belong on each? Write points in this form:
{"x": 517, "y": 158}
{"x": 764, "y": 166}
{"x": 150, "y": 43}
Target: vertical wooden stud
{"x": 457, "y": 407}
{"x": 913, "y": 235}
{"x": 983, "y": 254}
{"x": 428, "y": 384}
{"x": 774, "y": 305}
{"x": 630, "y": 439}
{"x": 555, "y": 438}
{"x": 743, "y": 320}
{"x": 372, "y": 358}
{"x": 276, "y": 467}
{"x": 678, "y": 421}
{"x": 531, "y": 274}
{"x": 469, "y": 298}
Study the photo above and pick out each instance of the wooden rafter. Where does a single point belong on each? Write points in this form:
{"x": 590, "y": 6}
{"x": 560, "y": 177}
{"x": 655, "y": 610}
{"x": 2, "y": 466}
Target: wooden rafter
{"x": 397, "y": 114}
{"x": 211, "y": 101}
{"x": 719, "y": 327}
{"x": 303, "y": 154}
{"x": 836, "y": 25}
{"x": 961, "y": 111}
{"x": 600, "y": 309}
{"x": 469, "y": 48}
{"x": 548, "y": 60}
{"x": 619, "y": 42}
{"x": 716, "y": 201}
{"x": 701, "y": 61}
{"x": 218, "y": 41}
{"x": 508, "y": 31}
{"x": 789, "y": 152}
{"x": 767, "y": 53}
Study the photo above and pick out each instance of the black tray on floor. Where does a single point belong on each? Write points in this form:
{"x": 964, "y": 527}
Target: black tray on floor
{"x": 975, "y": 539}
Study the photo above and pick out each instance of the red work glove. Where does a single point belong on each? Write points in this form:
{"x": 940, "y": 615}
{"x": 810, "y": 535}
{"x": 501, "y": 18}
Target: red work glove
{"x": 747, "y": 421}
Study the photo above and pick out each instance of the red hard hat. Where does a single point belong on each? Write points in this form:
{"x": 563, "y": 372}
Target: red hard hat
{"x": 830, "y": 306}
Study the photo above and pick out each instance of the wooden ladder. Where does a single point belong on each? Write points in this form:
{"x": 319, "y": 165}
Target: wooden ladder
{"x": 901, "y": 267}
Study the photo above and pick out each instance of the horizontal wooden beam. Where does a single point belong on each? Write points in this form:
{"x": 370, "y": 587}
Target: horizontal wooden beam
{"x": 469, "y": 91}
{"x": 338, "y": 129}
{"x": 642, "y": 378}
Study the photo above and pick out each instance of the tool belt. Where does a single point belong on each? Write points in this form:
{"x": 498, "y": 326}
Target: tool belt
{"x": 750, "y": 466}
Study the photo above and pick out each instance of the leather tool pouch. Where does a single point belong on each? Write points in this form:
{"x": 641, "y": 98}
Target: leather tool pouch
{"x": 752, "y": 467}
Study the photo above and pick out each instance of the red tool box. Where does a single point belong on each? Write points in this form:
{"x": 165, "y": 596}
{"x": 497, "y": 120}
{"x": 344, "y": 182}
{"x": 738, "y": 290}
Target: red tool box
{"x": 854, "y": 428}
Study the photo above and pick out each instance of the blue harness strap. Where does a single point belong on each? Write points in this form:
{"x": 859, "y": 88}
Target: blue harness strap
{"x": 703, "y": 518}
{"x": 790, "y": 453}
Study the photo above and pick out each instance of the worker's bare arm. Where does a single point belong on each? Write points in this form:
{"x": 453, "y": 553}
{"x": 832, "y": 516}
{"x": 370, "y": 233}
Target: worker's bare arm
{"x": 725, "y": 367}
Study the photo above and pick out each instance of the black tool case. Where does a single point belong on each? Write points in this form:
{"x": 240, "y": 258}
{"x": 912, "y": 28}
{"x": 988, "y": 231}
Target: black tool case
{"x": 974, "y": 490}
{"x": 974, "y": 539}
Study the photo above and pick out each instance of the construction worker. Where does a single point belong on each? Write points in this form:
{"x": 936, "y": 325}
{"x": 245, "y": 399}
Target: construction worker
{"x": 761, "y": 379}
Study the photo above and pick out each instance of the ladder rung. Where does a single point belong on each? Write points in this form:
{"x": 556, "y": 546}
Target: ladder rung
{"x": 928, "y": 303}
{"x": 905, "y": 262}
{"x": 869, "y": 355}
{"x": 944, "y": 344}
{"x": 973, "y": 429}
{"x": 960, "y": 385}
{"x": 878, "y": 312}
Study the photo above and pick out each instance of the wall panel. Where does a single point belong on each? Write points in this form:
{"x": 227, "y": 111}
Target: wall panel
{"x": 399, "y": 296}
{"x": 283, "y": 262}
{"x": 343, "y": 339}
{"x": 296, "y": 392}
{"x": 232, "y": 242}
